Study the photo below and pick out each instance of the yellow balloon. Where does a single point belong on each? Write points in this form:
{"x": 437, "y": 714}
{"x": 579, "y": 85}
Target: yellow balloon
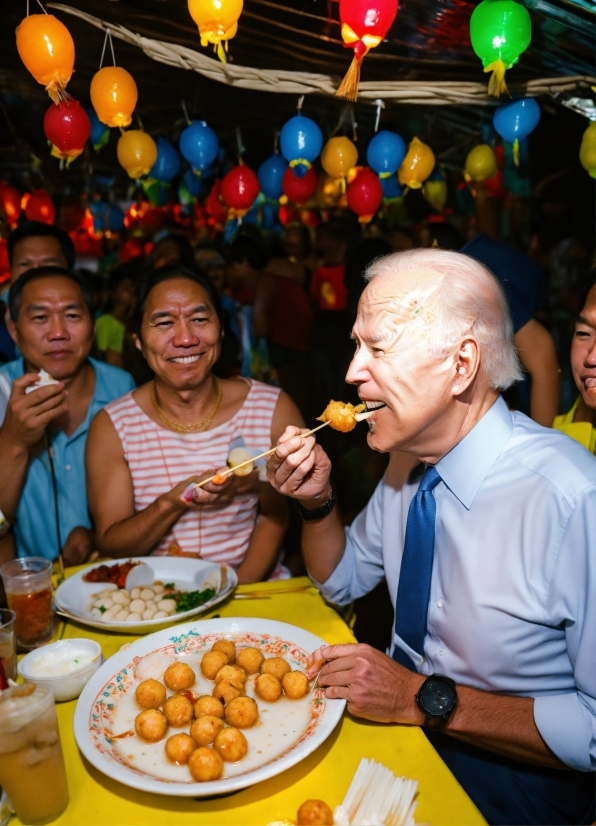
{"x": 587, "y": 150}
{"x": 480, "y": 163}
{"x": 417, "y": 165}
{"x": 114, "y": 96}
{"x": 339, "y": 155}
{"x": 435, "y": 193}
{"x": 217, "y": 21}
{"x": 137, "y": 152}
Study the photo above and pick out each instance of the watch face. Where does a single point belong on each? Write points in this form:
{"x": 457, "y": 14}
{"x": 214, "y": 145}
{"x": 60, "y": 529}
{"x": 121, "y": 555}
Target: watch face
{"x": 437, "y": 697}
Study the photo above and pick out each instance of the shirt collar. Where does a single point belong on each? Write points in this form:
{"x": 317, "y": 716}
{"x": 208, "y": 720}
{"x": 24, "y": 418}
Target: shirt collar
{"x": 468, "y": 464}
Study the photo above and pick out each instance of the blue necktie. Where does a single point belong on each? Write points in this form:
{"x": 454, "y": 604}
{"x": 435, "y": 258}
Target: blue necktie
{"x": 413, "y": 591}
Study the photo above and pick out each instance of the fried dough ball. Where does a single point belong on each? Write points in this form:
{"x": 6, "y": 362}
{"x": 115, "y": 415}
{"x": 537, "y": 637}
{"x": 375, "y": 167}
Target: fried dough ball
{"x": 205, "y": 764}
{"x": 228, "y": 690}
{"x": 179, "y": 747}
{"x": 276, "y": 666}
{"x": 242, "y": 712}
{"x": 150, "y": 694}
{"x": 341, "y": 416}
{"x": 212, "y": 662}
{"x": 151, "y": 725}
{"x": 205, "y": 729}
{"x": 231, "y": 672}
{"x": 315, "y": 813}
{"x": 209, "y": 705}
{"x": 178, "y": 711}
{"x": 231, "y": 745}
{"x": 227, "y": 646}
{"x": 179, "y": 676}
{"x": 249, "y": 659}
{"x": 295, "y": 685}
{"x": 268, "y": 688}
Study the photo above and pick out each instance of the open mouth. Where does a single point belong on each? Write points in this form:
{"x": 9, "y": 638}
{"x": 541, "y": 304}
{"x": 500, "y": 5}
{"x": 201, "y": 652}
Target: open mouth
{"x": 185, "y": 359}
{"x": 590, "y": 384}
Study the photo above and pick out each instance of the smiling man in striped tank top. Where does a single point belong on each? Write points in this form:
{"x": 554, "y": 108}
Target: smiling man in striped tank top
{"x": 147, "y": 447}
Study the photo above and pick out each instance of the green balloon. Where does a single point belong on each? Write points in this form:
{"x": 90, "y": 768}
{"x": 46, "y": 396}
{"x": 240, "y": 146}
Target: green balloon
{"x": 500, "y": 30}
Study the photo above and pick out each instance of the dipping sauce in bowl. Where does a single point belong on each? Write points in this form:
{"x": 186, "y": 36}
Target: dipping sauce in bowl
{"x": 63, "y": 666}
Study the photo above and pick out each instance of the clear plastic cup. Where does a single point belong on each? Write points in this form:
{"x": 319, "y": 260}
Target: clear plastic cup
{"x": 32, "y": 770}
{"x": 8, "y": 644}
{"x": 28, "y": 586}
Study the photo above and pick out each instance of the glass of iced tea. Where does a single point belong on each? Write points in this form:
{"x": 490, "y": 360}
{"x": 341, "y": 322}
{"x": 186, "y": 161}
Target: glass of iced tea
{"x": 7, "y": 642}
{"x": 31, "y": 762}
{"x": 28, "y": 586}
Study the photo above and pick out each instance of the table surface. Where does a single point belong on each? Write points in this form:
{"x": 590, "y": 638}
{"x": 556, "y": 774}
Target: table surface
{"x": 96, "y": 800}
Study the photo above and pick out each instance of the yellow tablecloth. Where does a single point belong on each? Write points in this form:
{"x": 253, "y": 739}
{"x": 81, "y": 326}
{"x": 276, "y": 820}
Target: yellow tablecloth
{"x": 96, "y": 800}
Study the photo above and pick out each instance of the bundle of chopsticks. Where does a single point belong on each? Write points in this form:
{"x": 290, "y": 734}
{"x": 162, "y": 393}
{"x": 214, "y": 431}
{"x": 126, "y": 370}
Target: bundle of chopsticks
{"x": 377, "y": 797}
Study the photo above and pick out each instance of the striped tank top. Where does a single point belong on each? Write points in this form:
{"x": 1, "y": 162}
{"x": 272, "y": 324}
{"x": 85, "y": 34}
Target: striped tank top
{"x": 158, "y": 459}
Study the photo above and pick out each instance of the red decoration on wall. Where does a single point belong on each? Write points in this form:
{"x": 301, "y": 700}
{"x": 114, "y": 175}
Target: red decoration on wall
{"x": 40, "y": 207}
{"x": 67, "y": 127}
{"x": 299, "y": 190}
{"x": 364, "y": 24}
{"x": 239, "y": 189}
{"x": 365, "y": 195}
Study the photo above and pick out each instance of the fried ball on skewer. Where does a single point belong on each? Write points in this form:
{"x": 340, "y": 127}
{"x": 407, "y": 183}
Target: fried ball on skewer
{"x": 341, "y": 416}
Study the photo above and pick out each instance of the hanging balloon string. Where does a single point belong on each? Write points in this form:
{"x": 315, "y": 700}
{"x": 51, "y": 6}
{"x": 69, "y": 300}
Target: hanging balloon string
{"x": 185, "y": 110}
{"x": 103, "y": 51}
{"x": 276, "y": 140}
{"x": 354, "y": 125}
{"x": 380, "y": 104}
{"x": 341, "y": 122}
{"x": 240, "y": 145}
{"x": 40, "y": 6}
{"x": 299, "y": 104}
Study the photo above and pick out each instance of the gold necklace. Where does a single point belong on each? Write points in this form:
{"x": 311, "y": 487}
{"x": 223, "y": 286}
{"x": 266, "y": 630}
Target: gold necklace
{"x": 186, "y": 428}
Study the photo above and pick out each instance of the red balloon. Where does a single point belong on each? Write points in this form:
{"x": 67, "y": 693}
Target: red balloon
{"x": 40, "y": 207}
{"x": 365, "y": 194}
{"x": 10, "y": 203}
{"x": 68, "y": 127}
{"x": 239, "y": 188}
{"x": 365, "y": 23}
{"x": 299, "y": 190}
{"x": 4, "y": 262}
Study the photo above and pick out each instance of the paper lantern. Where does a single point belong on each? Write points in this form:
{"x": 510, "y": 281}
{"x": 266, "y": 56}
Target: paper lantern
{"x": 500, "y": 31}
{"x": 199, "y": 145}
{"x": 167, "y": 165}
{"x": 270, "y": 175}
{"x": 587, "y": 151}
{"x": 10, "y": 203}
{"x": 365, "y": 194}
{"x": 47, "y": 49}
{"x": 114, "y": 96}
{"x": 100, "y": 133}
{"x": 136, "y": 152}
{"x": 300, "y": 190}
{"x": 385, "y": 153}
{"x": 417, "y": 165}
{"x": 40, "y": 207}
{"x": 239, "y": 189}
{"x": 364, "y": 24}
{"x": 300, "y": 141}
{"x": 480, "y": 163}
{"x": 217, "y": 21}
{"x": 338, "y": 157}
{"x": 67, "y": 127}
{"x": 514, "y": 121}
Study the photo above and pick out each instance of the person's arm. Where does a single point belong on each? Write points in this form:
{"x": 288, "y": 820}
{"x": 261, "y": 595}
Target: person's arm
{"x": 536, "y": 350}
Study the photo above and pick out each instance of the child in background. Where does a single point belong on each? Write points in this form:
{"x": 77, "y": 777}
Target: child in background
{"x": 110, "y": 326}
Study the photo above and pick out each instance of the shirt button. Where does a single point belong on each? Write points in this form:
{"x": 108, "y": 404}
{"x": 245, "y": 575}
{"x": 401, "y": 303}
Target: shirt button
{"x": 441, "y": 652}
{"x": 440, "y": 603}
{"x": 67, "y": 467}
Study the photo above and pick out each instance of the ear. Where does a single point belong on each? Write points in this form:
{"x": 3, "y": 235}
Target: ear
{"x": 137, "y": 342}
{"x": 11, "y": 327}
{"x": 466, "y": 364}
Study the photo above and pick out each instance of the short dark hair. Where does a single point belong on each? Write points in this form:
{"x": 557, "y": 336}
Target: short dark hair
{"x": 185, "y": 250}
{"x": 245, "y": 248}
{"x": 15, "y": 296}
{"x": 36, "y": 229}
{"x": 154, "y": 277}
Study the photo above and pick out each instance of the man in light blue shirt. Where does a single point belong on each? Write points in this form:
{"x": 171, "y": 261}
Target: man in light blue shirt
{"x": 42, "y": 495}
{"x": 505, "y": 680}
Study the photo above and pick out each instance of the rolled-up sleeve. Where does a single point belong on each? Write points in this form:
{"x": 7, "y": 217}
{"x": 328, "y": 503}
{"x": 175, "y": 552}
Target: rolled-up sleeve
{"x": 361, "y": 566}
{"x": 567, "y": 722}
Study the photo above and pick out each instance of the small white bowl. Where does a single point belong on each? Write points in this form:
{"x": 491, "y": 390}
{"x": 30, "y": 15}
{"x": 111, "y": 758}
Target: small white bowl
{"x": 48, "y": 666}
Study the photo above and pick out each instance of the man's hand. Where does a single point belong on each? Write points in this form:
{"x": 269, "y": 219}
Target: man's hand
{"x": 374, "y": 685}
{"x": 78, "y": 547}
{"x": 27, "y": 415}
{"x": 300, "y": 468}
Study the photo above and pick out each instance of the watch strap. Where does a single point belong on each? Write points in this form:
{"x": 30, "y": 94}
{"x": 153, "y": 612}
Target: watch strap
{"x": 316, "y": 513}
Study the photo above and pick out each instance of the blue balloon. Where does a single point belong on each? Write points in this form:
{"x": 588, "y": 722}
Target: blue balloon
{"x": 167, "y": 165}
{"x": 516, "y": 119}
{"x": 270, "y": 175}
{"x": 199, "y": 144}
{"x": 391, "y": 187}
{"x": 99, "y": 212}
{"x": 300, "y": 139}
{"x": 386, "y": 152}
{"x": 193, "y": 183}
{"x": 115, "y": 218}
{"x": 100, "y": 133}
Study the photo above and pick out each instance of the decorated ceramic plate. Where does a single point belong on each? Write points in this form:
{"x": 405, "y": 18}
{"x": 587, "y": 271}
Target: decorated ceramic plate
{"x": 76, "y": 597}
{"x": 287, "y": 731}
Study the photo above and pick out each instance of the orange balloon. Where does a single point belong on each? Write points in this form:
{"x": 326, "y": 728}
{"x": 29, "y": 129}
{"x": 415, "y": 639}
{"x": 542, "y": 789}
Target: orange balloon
{"x": 137, "y": 152}
{"x": 417, "y": 165}
{"x": 47, "y": 49}
{"x": 114, "y": 96}
{"x": 339, "y": 155}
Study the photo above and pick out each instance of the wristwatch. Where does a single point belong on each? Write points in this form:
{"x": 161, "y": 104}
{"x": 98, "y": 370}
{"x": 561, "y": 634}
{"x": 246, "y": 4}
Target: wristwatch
{"x": 316, "y": 513}
{"x": 437, "y": 699}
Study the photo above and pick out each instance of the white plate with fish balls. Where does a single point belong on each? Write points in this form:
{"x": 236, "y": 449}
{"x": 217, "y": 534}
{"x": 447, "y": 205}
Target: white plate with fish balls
{"x": 79, "y": 599}
{"x": 287, "y": 730}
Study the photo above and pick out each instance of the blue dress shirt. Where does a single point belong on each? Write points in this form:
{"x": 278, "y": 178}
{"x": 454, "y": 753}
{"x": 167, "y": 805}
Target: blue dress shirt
{"x": 35, "y": 527}
{"x": 513, "y": 592}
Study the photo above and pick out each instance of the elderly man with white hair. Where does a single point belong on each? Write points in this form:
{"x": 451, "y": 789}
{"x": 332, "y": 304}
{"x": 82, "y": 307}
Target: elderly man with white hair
{"x": 484, "y": 526}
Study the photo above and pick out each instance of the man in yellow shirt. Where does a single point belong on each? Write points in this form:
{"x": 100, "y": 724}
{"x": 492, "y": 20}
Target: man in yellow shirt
{"x": 580, "y": 422}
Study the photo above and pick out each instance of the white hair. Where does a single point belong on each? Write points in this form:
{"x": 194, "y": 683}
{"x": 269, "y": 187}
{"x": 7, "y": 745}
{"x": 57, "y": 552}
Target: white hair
{"x": 466, "y": 300}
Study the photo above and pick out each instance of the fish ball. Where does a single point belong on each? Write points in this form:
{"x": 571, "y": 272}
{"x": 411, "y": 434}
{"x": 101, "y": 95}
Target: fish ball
{"x": 205, "y": 764}
{"x": 110, "y": 614}
{"x": 121, "y": 597}
{"x": 148, "y": 613}
{"x": 315, "y": 813}
{"x": 231, "y": 672}
{"x": 227, "y": 646}
{"x": 150, "y": 694}
{"x": 295, "y": 685}
{"x": 250, "y": 659}
{"x": 209, "y": 705}
{"x": 104, "y": 603}
{"x": 205, "y": 729}
{"x": 179, "y": 676}
{"x": 133, "y": 617}
{"x": 227, "y": 690}
{"x": 179, "y": 747}
{"x": 96, "y": 614}
{"x": 108, "y": 590}
{"x": 150, "y": 603}
{"x": 137, "y": 606}
{"x": 231, "y": 744}
{"x": 160, "y": 615}
{"x": 168, "y": 605}
{"x": 157, "y": 588}
{"x": 212, "y": 662}
{"x": 135, "y": 593}
{"x": 151, "y": 725}
{"x": 178, "y": 711}
{"x": 122, "y": 615}
{"x": 242, "y": 712}
{"x": 276, "y": 666}
{"x": 146, "y": 593}
{"x": 268, "y": 688}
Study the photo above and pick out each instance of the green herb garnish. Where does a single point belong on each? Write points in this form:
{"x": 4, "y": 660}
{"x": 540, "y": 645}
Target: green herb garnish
{"x": 192, "y": 599}
{"x": 102, "y": 609}
{"x": 169, "y": 586}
